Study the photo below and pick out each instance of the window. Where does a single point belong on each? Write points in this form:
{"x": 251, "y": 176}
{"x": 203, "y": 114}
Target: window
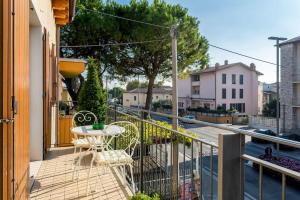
{"x": 224, "y": 93}
{"x": 196, "y": 90}
{"x": 241, "y": 93}
{"x": 207, "y": 106}
{"x": 240, "y": 107}
{"x": 134, "y": 98}
{"x": 241, "y": 79}
{"x": 196, "y": 78}
{"x": 156, "y": 97}
{"x": 224, "y": 106}
{"x": 223, "y": 78}
{"x": 167, "y": 96}
{"x": 233, "y": 78}
{"x": 233, "y": 94}
{"x": 180, "y": 104}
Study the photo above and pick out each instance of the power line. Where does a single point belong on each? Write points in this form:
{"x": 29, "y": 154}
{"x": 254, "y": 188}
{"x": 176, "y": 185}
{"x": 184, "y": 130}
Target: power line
{"x": 243, "y": 55}
{"x": 111, "y": 44}
{"x": 128, "y": 19}
{"x": 161, "y": 26}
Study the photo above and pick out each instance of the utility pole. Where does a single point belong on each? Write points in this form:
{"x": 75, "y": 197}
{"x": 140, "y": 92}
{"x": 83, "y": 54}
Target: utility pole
{"x": 175, "y": 168}
{"x": 277, "y": 39}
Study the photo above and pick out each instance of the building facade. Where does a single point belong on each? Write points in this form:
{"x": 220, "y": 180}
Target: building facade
{"x": 137, "y": 97}
{"x": 269, "y": 92}
{"x": 231, "y": 86}
{"x": 29, "y": 85}
{"x": 290, "y": 85}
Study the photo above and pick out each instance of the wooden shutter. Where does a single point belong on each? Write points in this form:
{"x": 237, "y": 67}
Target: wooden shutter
{"x": 15, "y": 74}
{"x": 46, "y": 88}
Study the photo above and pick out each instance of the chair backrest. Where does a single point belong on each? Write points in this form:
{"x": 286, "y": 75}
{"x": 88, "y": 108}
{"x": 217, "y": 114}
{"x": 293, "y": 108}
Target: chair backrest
{"x": 84, "y": 118}
{"x": 128, "y": 137}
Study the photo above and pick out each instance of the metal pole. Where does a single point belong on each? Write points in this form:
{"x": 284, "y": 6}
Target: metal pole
{"x": 277, "y": 85}
{"x": 175, "y": 164}
{"x": 277, "y": 90}
{"x": 139, "y": 92}
{"x": 174, "y": 77}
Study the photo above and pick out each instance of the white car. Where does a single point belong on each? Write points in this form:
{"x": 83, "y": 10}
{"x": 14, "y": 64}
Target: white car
{"x": 186, "y": 118}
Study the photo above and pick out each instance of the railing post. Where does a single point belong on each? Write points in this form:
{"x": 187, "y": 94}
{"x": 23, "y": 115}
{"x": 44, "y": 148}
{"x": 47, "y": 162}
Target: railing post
{"x": 115, "y": 114}
{"x": 115, "y": 119}
{"x": 230, "y": 167}
{"x": 142, "y": 154}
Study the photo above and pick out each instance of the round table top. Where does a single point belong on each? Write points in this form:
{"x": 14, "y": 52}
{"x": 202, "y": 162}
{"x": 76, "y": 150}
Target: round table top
{"x": 89, "y": 131}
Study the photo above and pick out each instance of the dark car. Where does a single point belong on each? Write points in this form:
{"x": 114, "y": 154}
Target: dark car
{"x": 265, "y": 132}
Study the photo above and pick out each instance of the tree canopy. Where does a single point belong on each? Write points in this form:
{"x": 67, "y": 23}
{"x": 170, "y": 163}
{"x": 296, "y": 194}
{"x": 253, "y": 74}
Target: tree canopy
{"x": 150, "y": 59}
{"x": 270, "y": 108}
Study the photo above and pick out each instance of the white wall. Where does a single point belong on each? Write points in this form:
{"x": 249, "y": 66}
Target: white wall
{"x": 250, "y": 88}
{"x": 207, "y": 85}
{"x": 184, "y": 87}
{"x": 44, "y": 12}
{"x": 36, "y": 93}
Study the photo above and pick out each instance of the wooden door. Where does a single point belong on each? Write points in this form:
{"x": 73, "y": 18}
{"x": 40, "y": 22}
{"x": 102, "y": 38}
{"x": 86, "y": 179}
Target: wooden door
{"x": 46, "y": 88}
{"x": 15, "y": 91}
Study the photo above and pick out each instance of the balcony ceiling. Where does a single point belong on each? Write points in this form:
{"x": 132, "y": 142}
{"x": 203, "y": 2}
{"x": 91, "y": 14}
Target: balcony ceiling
{"x": 63, "y": 11}
{"x": 70, "y": 68}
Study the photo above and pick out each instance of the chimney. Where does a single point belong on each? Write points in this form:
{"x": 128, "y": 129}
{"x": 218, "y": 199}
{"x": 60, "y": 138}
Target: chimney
{"x": 217, "y": 65}
{"x": 225, "y": 62}
{"x": 252, "y": 66}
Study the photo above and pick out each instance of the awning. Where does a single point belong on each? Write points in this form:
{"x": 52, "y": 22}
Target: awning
{"x": 70, "y": 68}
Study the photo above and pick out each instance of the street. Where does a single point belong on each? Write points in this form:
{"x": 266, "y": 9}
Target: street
{"x": 271, "y": 185}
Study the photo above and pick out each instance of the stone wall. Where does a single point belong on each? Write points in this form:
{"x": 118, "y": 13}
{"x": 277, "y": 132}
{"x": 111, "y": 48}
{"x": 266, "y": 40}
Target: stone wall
{"x": 288, "y": 55}
{"x": 263, "y": 123}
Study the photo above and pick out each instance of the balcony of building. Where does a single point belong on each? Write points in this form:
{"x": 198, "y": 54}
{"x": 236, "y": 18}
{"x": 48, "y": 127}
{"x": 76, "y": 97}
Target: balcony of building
{"x": 208, "y": 162}
{"x": 54, "y": 179}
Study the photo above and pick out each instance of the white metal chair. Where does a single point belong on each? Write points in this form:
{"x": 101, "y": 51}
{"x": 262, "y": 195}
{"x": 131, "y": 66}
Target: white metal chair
{"x": 81, "y": 118}
{"x": 126, "y": 141}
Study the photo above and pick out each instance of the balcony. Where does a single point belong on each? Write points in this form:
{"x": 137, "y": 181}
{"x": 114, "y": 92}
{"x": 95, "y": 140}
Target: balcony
{"x": 54, "y": 179}
{"x": 199, "y": 161}
{"x": 195, "y": 83}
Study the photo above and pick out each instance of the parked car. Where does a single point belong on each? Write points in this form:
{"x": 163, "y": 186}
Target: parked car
{"x": 186, "y": 119}
{"x": 265, "y": 132}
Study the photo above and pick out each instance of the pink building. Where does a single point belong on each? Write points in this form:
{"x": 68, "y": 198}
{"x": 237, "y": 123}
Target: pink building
{"x": 232, "y": 86}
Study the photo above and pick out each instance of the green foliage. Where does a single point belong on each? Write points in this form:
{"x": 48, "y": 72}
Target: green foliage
{"x": 92, "y": 97}
{"x": 165, "y": 134}
{"x": 135, "y": 84}
{"x": 147, "y": 59}
{"x": 166, "y": 104}
{"x": 116, "y": 92}
{"x": 270, "y": 108}
{"x": 142, "y": 196}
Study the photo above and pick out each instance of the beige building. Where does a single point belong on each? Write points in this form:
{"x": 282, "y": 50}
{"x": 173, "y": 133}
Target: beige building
{"x": 231, "y": 86}
{"x": 137, "y": 97}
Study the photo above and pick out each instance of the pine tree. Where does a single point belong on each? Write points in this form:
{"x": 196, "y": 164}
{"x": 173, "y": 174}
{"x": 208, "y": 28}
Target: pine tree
{"x": 92, "y": 96}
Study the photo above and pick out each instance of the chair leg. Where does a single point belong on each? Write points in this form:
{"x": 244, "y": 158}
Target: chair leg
{"x": 88, "y": 178}
{"x": 74, "y": 157}
{"x": 132, "y": 180}
{"x": 77, "y": 165}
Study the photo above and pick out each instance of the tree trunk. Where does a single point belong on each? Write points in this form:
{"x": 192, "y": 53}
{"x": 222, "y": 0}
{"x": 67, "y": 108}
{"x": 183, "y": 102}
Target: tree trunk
{"x": 74, "y": 89}
{"x": 149, "y": 94}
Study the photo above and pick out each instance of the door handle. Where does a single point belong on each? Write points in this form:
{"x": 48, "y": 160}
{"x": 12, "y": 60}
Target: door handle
{"x": 6, "y": 121}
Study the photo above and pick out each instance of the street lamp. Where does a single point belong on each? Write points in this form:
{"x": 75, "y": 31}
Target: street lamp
{"x": 277, "y": 39}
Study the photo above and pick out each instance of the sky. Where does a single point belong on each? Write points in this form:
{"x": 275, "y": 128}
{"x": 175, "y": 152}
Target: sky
{"x": 244, "y": 26}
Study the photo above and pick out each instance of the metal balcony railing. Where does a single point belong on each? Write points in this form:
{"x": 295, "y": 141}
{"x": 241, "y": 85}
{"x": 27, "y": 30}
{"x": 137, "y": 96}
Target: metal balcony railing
{"x": 179, "y": 165}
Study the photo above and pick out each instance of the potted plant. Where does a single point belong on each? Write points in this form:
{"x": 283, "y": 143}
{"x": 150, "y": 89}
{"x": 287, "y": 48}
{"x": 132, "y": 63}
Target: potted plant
{"x": 92, "y": 96}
